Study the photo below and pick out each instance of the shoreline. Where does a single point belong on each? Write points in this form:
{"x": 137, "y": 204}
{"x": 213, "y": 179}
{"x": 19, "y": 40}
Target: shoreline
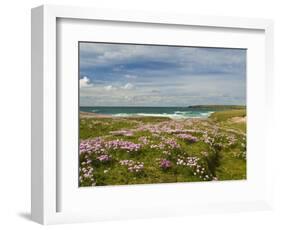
{"x": 96, "y": 115}
{"x": 200, "y": 112}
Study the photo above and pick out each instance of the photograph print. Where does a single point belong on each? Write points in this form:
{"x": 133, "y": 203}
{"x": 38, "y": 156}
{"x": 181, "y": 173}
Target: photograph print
{"x": 152, "y": 114}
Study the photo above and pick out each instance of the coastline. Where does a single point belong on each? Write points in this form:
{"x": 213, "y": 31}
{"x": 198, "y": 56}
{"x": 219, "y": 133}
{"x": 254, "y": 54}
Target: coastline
{"x": 178, "y": 112}
{"x": 237, "y": 113}
{"x": 172, "y": 117}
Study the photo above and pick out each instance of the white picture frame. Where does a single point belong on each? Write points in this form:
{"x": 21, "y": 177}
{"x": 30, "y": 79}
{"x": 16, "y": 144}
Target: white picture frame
{"x": 45, "y": 206}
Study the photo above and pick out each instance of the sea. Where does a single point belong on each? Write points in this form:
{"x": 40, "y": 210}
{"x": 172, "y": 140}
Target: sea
{"x": 171, "y": 112}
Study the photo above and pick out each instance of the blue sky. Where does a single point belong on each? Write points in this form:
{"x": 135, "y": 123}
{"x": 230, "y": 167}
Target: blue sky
{"x": 146, "y": 75}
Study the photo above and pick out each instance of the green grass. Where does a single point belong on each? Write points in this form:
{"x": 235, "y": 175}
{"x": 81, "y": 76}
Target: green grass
{"x": 223, "y": 118}
{"x": 225, "y": 115}
{"x": 223, "y": 159}
{"x": 231, "y": 168}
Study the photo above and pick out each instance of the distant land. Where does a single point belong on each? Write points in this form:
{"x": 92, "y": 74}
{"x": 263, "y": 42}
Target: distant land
{"x": 217, "y": 107}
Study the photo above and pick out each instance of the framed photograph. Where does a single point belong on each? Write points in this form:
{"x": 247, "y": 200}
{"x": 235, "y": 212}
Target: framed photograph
{"x": 139, "y": 115}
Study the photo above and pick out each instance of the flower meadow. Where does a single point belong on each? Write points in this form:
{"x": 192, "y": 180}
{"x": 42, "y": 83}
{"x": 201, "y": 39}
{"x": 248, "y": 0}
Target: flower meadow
{"x": 145, "y": 150}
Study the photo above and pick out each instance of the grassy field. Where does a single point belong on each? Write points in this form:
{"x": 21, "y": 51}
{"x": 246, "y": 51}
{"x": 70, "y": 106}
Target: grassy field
{"x": 144, "y": 150}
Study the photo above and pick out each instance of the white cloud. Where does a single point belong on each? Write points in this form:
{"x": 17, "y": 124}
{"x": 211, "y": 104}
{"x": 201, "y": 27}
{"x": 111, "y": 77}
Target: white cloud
{"x": 108, "y": 87}
{"x": 128, "y": 86}
{"x": 85, "y": 82}
{"x": 161, "y": 75}
{"x": 130, "y": 76}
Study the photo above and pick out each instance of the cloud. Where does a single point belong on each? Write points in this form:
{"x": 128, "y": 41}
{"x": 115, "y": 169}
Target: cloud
{"x": 108, "y": 88}
{"x": 85, "y": 82}
{"x": 128, "y": 86}
{"x": 187, "y": 59}
{"x": 130, "y": 76}
{"x": 161, "y": 75}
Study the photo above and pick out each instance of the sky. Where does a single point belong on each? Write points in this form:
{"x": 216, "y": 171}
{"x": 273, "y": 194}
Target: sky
{"x": 151, "y": 75}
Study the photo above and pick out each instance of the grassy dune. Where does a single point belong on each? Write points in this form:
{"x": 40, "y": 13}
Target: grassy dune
{"x": 143, "y": 150}
{"x": 218, "y": 107}
{"x": 235, "y": 119}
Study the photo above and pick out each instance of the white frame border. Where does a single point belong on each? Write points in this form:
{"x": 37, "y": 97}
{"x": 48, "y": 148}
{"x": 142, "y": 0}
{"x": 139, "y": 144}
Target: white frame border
{"x": 43, "y": 114}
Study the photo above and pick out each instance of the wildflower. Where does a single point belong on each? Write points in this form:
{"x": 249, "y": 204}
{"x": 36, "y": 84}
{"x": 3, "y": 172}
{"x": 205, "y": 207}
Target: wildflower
{"x": 86, "y": 174}
{"x": 193, "y": 164}
{"x": 171, "y": 143}
{"x": 91, "y": 146}
{"x": 187, "y": 137}
{"x": 144, "y": 140}
{"x": 133, "y": 166}
{"x": 167, "y": 153}
{"x": 104, "y": 158}
{"x": 165, "y": 164}
{"x": 124, "y": 145}
{"x": 127, "y": 133}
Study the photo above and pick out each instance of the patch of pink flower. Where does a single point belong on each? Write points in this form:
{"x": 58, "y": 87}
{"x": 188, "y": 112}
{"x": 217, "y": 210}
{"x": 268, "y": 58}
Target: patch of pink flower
{"x": 144, "y": 140}
{"x": 193, "y": 163}
{"x": 133, "y": 166}
{"x": 165, "y": 164}
{"x": 124, "y": 145}
{"x": 171, "y": 143}
{"x": 99, "y": 146}
{"x": 126, "y": 133}
{"x": 89, "y": 146}
{"x": 187, "y": 137}
{"x": 104, "y": 158}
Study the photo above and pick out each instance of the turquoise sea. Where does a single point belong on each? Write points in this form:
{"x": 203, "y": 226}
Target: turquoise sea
{"x": 172, "y": 112}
